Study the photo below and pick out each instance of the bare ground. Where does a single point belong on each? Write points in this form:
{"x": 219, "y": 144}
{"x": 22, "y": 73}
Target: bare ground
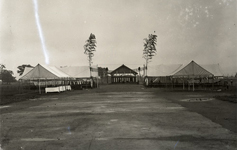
{"x": 120, "y": 117}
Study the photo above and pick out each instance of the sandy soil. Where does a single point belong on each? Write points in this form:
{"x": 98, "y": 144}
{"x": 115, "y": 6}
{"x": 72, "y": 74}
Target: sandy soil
{"x": 119, "y": 117}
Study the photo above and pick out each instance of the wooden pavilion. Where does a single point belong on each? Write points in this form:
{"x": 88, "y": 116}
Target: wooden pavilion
{"x": 123, "y": 74}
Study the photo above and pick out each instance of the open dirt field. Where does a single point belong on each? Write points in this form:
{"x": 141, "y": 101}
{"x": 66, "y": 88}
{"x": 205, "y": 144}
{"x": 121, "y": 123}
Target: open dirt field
{"x": 117, "y": 117}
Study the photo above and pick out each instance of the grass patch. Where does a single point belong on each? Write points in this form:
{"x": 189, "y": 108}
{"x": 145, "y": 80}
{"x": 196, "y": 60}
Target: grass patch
{"x": 11, "y": 93}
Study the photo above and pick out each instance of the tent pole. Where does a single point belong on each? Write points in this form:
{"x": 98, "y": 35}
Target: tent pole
{"x": 212, "y": 82}
{"x": 165, "y": 82}
{"x": 183, "y": 83}
{"x": 29, "y": 85}
{"x": 172, "y": 84}
{"x": 188, "y": 83}
{"x": 64, "y": 83}
{"x": 39, "y": 87}
{"x": 193, "y": 84}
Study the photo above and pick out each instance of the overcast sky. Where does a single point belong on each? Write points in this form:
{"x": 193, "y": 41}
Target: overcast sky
{"x": 200, "y": 30}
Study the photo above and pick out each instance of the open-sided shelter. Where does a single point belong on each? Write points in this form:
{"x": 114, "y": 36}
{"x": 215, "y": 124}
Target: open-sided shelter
{"x": 193, "y": 73}
{"x": 179, "y": 75}
{"x": 123, "y": 74}
{"x": 47, "y": 76}
{"x": 160, "y": 74}
{"x": 85, "y": 75}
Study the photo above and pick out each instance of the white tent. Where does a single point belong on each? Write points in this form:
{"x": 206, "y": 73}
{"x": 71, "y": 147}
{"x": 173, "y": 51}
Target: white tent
{"x": 214, "y": 69}
{"x": 192, "y": 70}
{"x": 42, "y": 75}
{"x": 26, "y": 70}
{"x": 44, "y": 72}
{"x": 163, "y": 70}
{"x": 80, "y": 71}
{"x": 84, "y": 74}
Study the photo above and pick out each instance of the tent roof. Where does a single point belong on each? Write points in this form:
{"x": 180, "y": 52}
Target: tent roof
{"x": 193, "y": 69}
{"x": 80, "y": 71}
{"x": 163, "y": 70}
{"x": 26, "y": 70}
{"x": 214, "y": 69}
{"x": 44, "y": 72}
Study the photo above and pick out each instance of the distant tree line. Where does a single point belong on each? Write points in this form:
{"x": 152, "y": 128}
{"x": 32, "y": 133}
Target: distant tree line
{"x": 6, "y": 76}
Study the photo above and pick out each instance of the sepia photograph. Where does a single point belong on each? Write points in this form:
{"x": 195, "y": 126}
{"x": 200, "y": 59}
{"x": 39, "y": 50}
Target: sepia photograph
{"x": 118, "y": 75}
